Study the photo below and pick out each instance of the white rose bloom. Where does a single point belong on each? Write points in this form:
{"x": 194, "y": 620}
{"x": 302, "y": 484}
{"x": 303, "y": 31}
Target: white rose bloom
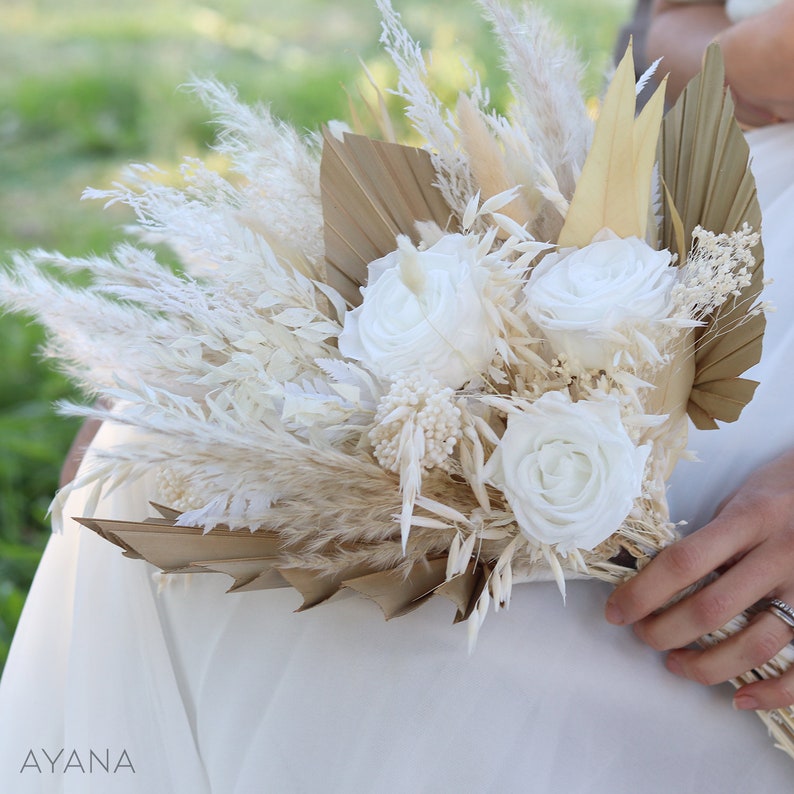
{"x": 423, "y": 311}
{"x": 587, "y": 303}
{"x": 569, "y": 471}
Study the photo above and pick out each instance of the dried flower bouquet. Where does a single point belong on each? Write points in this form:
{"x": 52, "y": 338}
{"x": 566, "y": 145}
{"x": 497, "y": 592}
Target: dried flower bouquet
{"x": 415, "y": 371}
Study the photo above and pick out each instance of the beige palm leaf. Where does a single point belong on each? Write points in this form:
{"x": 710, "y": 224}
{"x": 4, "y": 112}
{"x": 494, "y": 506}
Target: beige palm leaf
{"x": 372, "y": 191}
{"x": 704, "y": 163}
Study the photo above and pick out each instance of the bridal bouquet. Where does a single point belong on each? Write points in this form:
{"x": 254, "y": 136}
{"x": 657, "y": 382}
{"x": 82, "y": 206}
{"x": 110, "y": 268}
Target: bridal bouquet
{"x": 416, "y": 371}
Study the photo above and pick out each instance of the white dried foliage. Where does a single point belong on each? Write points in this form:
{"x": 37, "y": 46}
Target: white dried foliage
{"x": 215, "y": 222}
{"x": 540, "y": 148}
{"x": 434, "y": 122}
{"x": 545, "y": 75}
{"x": 219, "y": 366}
{"x": 646, "y": 76}
{"x": 718, "y": 268}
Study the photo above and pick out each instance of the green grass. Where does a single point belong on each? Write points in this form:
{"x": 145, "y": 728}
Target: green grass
{"x": 87, "y": 87}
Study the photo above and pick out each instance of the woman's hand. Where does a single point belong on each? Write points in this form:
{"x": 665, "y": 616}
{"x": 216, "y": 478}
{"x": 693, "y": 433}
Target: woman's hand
{"x": 759, "y": 63}
{"x": 751, "y": 543}
{"x": 758, "y": 54}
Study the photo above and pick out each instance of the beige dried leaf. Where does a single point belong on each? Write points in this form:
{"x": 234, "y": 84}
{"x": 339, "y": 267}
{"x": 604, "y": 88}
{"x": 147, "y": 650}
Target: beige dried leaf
{"x": 255, "y": 573}
{"x": 397, "y": 593}
{"x": 173, "y": 548}
{"x": 724, "y": 398}
{"x": 704, "y": 163}
{"x": 316, "y": 586}
{"x": 372, "y": 192}
{"x": 606, "y": 191}
{"x": 487, "y": 160}
{"x": 464, "y": 590}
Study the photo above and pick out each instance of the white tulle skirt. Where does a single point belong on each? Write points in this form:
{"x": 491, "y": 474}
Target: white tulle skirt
{"x": 155, "y": 687}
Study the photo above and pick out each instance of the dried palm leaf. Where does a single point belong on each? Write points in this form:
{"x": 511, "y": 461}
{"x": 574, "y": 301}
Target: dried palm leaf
{"x": 704, "y": 162}
{"x": 316, "y": 587}
{"x": 258, "y": 561}
{"x": 465, "y": 590}
{"x": 254, "y": 573}
{"x": 175, "y": 549}
{"x": 397, "y": 594}
{"x": 372, "y": 192}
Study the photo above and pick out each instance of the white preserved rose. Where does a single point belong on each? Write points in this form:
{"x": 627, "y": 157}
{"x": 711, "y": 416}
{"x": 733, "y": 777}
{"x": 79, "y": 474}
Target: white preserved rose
{"x": 569, "y": 471}
{"x": 591, "y": 303}
{"x": 423, "y": 312}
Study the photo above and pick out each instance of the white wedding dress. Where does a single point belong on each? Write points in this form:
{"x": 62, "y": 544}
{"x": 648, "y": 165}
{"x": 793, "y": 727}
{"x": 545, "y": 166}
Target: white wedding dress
{"x": 198, "y": 691}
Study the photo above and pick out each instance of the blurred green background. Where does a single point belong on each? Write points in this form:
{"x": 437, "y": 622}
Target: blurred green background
{"x": 87, "y": 86}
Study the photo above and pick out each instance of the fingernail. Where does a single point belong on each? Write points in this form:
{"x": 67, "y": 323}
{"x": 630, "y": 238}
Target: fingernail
{"x": 745, "y": 702}
{"x": 674, "y": 666}
{"x": 614, "y": 614}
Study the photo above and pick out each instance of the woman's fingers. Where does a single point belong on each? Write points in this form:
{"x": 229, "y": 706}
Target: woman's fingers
{"x": 764, "y": 637}
{"x": 678, "y": 567}
{"x": 752, "y": 578}
{"x": 773, "y": 693}
{"x": 751, "y": 544}
{"x": 760, "y": 515}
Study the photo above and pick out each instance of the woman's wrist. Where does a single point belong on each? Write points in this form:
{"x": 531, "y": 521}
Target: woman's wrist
{"x": 750, "y": 115}
{"x": 749, "y": 112}
{"x": 680, "y": 34}
{"x": 758, "y": 54}
{"x": 757, "y": 67}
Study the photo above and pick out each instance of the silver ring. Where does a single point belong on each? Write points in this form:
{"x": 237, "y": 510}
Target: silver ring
{"x": 782, "y": 610}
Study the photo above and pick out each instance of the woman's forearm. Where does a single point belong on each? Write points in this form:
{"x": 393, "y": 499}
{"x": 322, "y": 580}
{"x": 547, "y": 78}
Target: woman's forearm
{"x": 759, "y": 60}
{"x": 680, "y": 34}
{"x": 758, "y": 53}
